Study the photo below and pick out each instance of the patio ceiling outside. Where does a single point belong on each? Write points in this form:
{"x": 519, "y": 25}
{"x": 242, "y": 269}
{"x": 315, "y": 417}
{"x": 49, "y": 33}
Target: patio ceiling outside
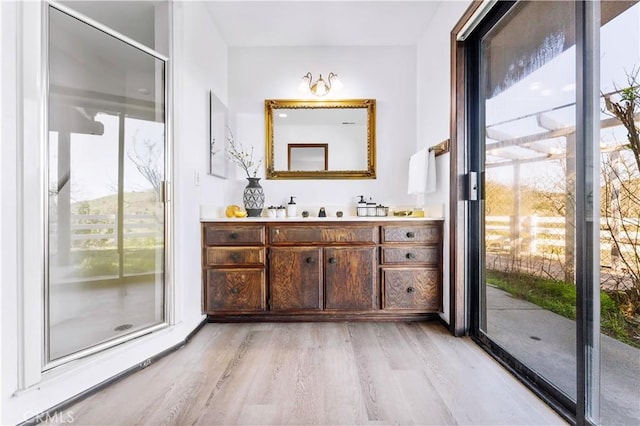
{"x": 546, "y": 140}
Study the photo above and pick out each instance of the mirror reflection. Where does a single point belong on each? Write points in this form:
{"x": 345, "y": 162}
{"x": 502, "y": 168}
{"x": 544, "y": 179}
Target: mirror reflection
{"x": 320, "y": 140}
{"x": 308, "y": 156}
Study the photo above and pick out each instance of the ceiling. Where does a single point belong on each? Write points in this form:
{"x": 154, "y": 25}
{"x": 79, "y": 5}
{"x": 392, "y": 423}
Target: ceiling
{"x": 322, "y": 23}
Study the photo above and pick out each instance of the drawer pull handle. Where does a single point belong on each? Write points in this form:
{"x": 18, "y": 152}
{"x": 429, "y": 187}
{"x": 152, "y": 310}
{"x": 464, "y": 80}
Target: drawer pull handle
{"x": 310, "y": 260}
{"x": 411, "y": 256}
{"x": 410, "y": 234}
{"x": 332, "y": 260}
{"x": 234, "y": 236}
{"x": 234, "y": 257}
{"x": 234, "y": 291}
{"x": 410, "y": 290}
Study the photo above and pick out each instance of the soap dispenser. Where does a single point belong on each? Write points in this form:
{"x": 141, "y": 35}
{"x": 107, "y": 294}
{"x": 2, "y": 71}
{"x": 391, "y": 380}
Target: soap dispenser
{"x": 371, "y": 208}
{"x": 361, "y": 209}
{"x": 291, "y": 208}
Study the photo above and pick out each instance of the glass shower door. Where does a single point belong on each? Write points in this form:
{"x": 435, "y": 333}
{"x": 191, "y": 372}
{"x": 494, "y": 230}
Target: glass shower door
{"x": 106, "y": 174}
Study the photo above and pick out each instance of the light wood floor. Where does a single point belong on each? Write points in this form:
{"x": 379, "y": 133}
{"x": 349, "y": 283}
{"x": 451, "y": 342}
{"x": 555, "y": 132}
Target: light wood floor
{"x": 319, "y": 373}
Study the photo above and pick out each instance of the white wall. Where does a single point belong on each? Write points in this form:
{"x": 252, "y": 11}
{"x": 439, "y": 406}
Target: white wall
{"x": 433, "y": 107}
{"x": 387, "y": 74}
{"x": 201, "y": 59}
{"x": 200, "y": 65}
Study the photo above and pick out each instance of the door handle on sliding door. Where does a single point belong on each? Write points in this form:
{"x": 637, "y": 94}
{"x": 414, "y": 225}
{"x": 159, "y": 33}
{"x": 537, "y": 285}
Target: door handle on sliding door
{"x": 473, "y": 186}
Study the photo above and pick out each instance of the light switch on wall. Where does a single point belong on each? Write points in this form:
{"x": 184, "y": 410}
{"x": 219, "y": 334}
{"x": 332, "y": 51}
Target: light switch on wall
{"x": 196, "y": 177}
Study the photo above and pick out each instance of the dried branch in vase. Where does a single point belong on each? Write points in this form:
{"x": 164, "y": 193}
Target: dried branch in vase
{"x": 243, "y": 159}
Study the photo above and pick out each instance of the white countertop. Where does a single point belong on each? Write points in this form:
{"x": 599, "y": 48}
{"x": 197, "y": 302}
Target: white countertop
{"x": 323, "y": 219}
{"x": 216, "y": 213}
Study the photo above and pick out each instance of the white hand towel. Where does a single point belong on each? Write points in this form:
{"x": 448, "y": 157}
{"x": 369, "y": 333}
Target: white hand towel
{"x": 418, "y": 164}
{"x": 422, "y": 172}
{"x": 430, "y": 185}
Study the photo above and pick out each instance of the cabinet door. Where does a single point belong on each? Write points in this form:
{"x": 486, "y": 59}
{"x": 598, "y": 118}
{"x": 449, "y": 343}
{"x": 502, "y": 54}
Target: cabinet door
{"x": 412, "y": 289}
{"x": 350, "y": 278}
{"x": 241, "y": 289}
{"x": 295, "y": 278}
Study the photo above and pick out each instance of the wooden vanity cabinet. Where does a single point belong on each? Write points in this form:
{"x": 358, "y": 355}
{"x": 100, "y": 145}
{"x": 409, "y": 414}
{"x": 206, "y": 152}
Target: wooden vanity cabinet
{"x": 233, "y": 268}
{"x": 306, "y": 270}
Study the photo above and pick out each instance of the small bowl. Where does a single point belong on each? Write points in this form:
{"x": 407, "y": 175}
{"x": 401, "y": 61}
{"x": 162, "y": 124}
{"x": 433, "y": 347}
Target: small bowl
{"x": 240, "y": 213}
{"x": 403, "y": 213}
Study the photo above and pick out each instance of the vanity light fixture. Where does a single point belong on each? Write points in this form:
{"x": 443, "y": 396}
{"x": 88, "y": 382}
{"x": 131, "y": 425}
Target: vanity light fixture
{"x": 320, "y": 87}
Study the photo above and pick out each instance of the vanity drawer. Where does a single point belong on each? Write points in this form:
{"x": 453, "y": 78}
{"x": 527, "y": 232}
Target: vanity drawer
{"x": 215, "y": 234}
{"x": 412, "y": 289}
{"x": 235, "y": 290}
{"x": 217, "y": 256}
{"x": 323, "y": 234}
{"x": 429, "y": 234}
{"x": 410, "y": 254}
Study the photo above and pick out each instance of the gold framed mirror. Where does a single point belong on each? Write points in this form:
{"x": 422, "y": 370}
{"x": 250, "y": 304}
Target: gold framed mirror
{"x": 345, "y": 129}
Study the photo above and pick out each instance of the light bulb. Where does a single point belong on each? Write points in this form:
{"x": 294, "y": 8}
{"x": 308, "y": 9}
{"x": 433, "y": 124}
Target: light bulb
{"x": 320, "y": 88}
{"x": 336, "y": 83}
{"x": 304, "y": 84}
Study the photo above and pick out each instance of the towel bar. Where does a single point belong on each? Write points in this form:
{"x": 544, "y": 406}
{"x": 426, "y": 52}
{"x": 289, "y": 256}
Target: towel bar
{"x": 441, "y": 148}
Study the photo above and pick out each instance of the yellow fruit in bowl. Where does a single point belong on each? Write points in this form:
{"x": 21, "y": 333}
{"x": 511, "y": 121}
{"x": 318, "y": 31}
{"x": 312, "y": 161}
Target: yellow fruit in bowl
{"x": 240, "y": 213}
{"x": 231, "y": 210}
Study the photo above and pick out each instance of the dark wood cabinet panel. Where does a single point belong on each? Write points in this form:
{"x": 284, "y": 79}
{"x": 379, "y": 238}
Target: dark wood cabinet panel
{"x": 318, "y": 234}
{"x": 238, "y": 289}
{"x": 232, "y": 234}
{"x": 235, "y": 256}
{"x": 412, "y": 289}
{"x": 414, "y": 233}
{"x": 350, "y": 278}
{"x": 410, "y": 254}
{"x": 295, "y": 278}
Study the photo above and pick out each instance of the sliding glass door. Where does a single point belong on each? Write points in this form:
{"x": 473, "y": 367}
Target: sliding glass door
{"x": 554, "y": 237}
{"x": 106, "y": 172}
{"x": 527, "y": 83}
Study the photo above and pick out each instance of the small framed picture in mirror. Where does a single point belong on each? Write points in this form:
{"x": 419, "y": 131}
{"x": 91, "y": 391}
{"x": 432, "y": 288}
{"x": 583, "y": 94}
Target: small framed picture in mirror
{"x": 308, "y": 156}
